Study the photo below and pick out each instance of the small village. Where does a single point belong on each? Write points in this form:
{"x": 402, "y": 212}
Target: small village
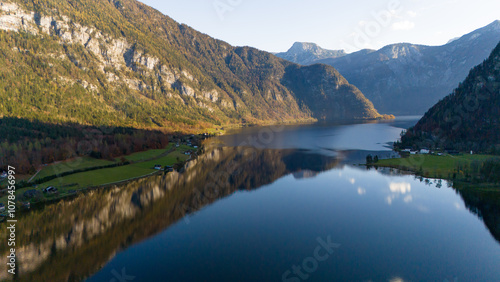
{"x": 425, "y": 151}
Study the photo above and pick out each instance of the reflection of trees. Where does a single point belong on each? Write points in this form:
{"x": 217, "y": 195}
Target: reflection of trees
{"x": 483, "y": 203}
{"x": 71, "y": 239}
{"x": 486, "y": 205}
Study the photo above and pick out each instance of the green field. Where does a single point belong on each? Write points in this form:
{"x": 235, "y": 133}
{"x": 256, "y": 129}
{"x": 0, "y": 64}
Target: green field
{"x": 148, "y": 155}
{"x": 79, "y": 163}
{"x": 116, "y": 174}
{"x": 142, "y": 164}
{"x": 98, "y": 177}
{"x": 432, "y": 165}
{"x": 170, "y": 159}
{"x": 87, "y": 179}
{"x": 87, "y": 162}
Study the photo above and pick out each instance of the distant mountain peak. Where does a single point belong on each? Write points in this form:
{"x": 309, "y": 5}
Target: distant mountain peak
{"x": 494, "y": 25}
{"x": 407, "y": 78}
{"x": 399, "y": 50}
{"x": 304, "y": 46}
{"x": 306, "y": 52}
{"x": 488, "y": 31}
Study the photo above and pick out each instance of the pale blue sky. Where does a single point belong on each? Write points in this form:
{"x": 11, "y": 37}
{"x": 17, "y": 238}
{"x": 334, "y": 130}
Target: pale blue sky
{"x": 273, "y": 25}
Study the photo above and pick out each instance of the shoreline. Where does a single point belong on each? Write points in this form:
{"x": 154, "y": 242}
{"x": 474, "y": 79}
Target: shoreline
{"x": 382, "y": 117}
{"x": 34, "y": 205}
{"x": 445, "y": 168}
{"x": 184, "y": 139}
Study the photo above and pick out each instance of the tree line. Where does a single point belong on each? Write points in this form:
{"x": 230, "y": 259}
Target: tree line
{"x": 27, "y": 144}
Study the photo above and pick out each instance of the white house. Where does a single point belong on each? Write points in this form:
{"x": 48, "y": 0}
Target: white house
{"x": 424, "y": 151}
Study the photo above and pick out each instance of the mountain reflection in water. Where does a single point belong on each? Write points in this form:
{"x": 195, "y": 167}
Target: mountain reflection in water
{"x": 73, "y": 239}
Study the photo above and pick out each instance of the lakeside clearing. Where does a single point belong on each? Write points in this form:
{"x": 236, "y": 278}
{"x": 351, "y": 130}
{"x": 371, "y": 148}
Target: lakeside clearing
{"x": 463, "y": 168}
{"x": 139, "y": 165}
{"x": 70, "y": 165}
{"x": 431, "y": 165}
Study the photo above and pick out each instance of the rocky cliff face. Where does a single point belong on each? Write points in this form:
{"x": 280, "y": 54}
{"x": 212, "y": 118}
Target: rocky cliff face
{"x": 111, "y": 53}
{"x": 126, "y": 64}
{"x": 408, "y": 79}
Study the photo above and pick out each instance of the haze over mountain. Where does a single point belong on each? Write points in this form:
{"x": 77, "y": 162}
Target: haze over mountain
{"x": 120, "y": 62}
{"x": 406, "y": 78}
{"x": 468, "y": 119}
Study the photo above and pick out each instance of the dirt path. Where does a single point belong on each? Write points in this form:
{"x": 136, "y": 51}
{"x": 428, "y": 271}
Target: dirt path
{"x": 34, "y": 175}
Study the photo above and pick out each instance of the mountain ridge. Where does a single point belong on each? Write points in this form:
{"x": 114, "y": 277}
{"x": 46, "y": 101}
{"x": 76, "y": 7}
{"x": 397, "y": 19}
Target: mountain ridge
{"x": 406, "y": 78}
{"x": 466, "y": 120}
{"x": 127, "y": 64}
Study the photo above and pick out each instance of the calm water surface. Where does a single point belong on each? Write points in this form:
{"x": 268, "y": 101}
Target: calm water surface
{"x": 381, "y": 226}
{"x": 279, "y": 204}
{"x": 389, "y": 228}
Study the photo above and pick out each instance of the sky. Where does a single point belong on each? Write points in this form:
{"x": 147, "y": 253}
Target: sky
{"x": 274, "y": 25}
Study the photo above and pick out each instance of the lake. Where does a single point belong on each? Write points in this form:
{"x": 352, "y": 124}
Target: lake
{"x": 278, "y": 203}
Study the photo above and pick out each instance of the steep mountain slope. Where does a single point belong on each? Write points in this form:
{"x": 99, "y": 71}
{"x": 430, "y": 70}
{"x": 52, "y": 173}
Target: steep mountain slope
{"x": 407, "y": 78}
{"x": 468, "y": 119}
{"x": 305, "y": 53}
{"x": 123, "y": 63}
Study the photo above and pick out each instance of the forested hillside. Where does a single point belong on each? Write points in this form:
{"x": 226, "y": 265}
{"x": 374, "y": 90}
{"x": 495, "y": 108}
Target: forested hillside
{"x": 122, "y": 63}
{"x": 27, "y": 145}
{"x": 468, "y": 119}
